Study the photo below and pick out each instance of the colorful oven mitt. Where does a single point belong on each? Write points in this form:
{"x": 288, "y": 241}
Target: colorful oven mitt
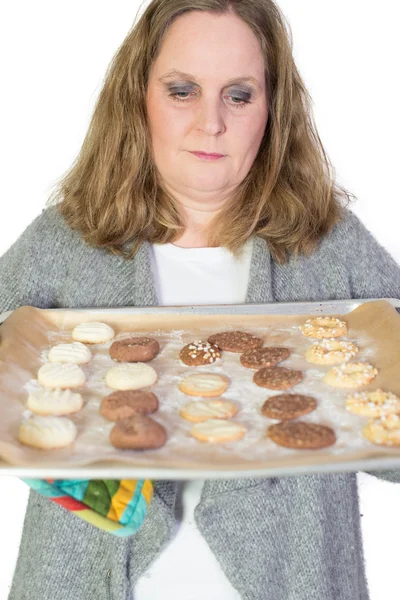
{"x": 117, "y": 506}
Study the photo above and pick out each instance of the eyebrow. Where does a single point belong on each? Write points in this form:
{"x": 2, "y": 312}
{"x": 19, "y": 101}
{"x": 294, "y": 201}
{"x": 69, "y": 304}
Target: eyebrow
{"x": 192, "y": 78}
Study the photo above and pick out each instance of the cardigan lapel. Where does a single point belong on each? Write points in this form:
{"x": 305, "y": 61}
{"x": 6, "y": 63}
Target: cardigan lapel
{"x": 260, "y": 281}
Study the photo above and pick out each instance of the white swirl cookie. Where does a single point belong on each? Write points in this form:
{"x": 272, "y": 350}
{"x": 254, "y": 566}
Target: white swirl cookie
{"x": 47, "y": 433}
{"x": 384, "y": 431}
{"x": 330, "y": 352}
{"x": 373, "y": 404}
{"x": 324, "y": 327}
{"x": 207, "y": 385}
{"x": 61, "y": 375}
{"x": 76, "y": 353}
{"x": 350, "y": 375}
{"x": 54, "y": 402}
{"x": 218, "y": 431}
{"x": 202, "y": 410}
{"x": 93, "y": 332}
{"x": 131, "y": 376}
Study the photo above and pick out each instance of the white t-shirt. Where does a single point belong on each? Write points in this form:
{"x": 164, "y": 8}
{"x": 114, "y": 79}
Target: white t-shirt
{"x": 187, "y": 569}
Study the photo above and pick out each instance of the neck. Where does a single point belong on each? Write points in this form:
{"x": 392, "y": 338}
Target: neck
{"x": 196, "y": 227}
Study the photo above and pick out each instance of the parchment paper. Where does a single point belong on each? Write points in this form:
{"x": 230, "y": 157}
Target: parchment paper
{"x": 29, "y": 333}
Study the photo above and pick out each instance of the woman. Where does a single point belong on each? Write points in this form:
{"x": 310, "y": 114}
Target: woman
{"x": 139, "y": 213}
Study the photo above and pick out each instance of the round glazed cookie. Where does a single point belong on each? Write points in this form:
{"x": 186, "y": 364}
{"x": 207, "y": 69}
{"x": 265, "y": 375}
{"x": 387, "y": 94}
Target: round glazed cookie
{"x": 277, "y": 378}
{"x": 330, "y": 352}
{"x": 350, "y": 375}
{"x": 373, "y": 404}
{"x": 384, "y": 431}
{"x": 288, "y": 406}
{"x": 199, "y": 353}
{"x": 124, "y": 404}
{"x": 324, "y": 327}
{"x": 130, "y": 376}
{"x": 256, "y": 358}
{"x": 301, "y": 436}
{"x": 207, "y": 385}
{"x": 134, "y": 349}
{"x": 54, "y": 402}
{"x": 217, "y": 431}
{"x": 235, "y": 341}
{"x": 61, "y": 375}
{"x": 93, "y": 332}
{"x": 75, "y": 353}
{"x": 138, "y": 433}
{"x": 47, "y": 433}
{"x": 202, "y": 410}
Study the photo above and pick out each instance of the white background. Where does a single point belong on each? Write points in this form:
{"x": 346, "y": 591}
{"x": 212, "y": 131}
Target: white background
{"x": 53, "y": 57}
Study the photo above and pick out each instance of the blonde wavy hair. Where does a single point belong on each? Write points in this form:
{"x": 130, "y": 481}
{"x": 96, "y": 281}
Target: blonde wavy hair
{"x": 112, "y": 195}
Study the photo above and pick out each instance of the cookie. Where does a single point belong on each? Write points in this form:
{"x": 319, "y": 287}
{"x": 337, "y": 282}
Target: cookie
{"x": 384, "y": 431}
{"x": 54, "y": 402}
{"x": 138, "y": 433}
{"x": 330, "y": 352}
{"x": 124, "y": 404}
{"x": 277, "y": 378}
{"x": 288, "y": 406}
{"x": 217, "y": 431}
{"x": 207, "y": 385}
{"x": 350, "y": 375}
{"x": 47, "y": 433}
{"x": 202, "y": 410}
{"x": 61, "y": 375}
{"x": 235, "y": 341}
{"x": 199, "y": 353}
{"x": 373, "y": 404}
{"x": 75, "y": 353}
{"x": 134, "y": 349}
{"x": 263, "y": 357}
{"x": 93, "y": 333}
{"x": 301, "y": 436}
{"x": 130, "y": 376}
{"x": 324, "y": 327}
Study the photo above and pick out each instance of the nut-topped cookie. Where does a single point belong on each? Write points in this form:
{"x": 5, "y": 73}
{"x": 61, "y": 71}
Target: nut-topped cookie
{"x": 199, "y": 353}
{"x": 301, "y": 436}
{"x": 277, "y": 378}
{"x": 235, "y": 341}
{"x": 256, "y": 358}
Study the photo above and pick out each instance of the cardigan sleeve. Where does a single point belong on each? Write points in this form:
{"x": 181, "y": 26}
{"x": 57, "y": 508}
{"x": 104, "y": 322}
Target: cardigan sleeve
{"x": 373, "y": 274}
{"x": 27, "y": 269}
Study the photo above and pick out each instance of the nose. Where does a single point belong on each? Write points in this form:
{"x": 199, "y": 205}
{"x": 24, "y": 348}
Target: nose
{"x": 210, "y": 116}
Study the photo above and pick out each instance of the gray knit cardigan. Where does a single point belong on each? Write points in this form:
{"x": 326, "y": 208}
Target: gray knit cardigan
{"x": 293, "y": 538}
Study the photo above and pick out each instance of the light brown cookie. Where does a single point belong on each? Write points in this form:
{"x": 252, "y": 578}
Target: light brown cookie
{"x": 130, "y": 376}
{"x": 384, "y": 431}
{"x": 126, "y": 403}
{"x": 54, "y": 402}
{"x": 48, "y": 432}
{"x": 288, "y": 406}
{"x": 256, "y": 358}
{"x": 324, "y": 327}
{"x": 199, "y": 353}
{"x": 350, "y": 375}
{"x": 139, "y": 432}
{"x": 61, "y": 375}
{"x": 217, "y": 431}
{"x": 202, "y": 410}
{"x": 373, "y": 404}
{"x": 235, "y": 341}
{"x": 277, "y": 378}
{"x": 134, "y": 349}
{"x": 93, "y": 332}
{"x": 301, "y": 436}
{"x": 330, "y": 352}
{"x": 207, "y": 385}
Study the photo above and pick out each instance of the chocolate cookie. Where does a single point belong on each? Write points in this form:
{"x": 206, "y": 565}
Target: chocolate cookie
{"x": 134, "y": 349}
{"x": 277, "y": 378}
{"x": 199, "y": 353}
{"x": 138, "y": 433}
{"x": 263, "y": 357}
{"x": 126, "y": 403}
{"x": 301, "y": 436}
{"x": 288, "y": 406}
{"x": 235, "y": 341}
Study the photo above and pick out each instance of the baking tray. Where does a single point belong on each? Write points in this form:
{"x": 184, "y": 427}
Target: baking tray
{"x": 123, "y": 471}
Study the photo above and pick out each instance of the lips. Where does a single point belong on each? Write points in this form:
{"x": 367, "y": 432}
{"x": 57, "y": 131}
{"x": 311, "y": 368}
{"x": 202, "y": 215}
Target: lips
{"x": 210, "y": 154}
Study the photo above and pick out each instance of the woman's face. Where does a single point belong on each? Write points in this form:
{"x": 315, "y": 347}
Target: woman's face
{"x": 220, "y": 107}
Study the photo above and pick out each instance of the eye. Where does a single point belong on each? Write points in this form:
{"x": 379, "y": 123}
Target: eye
{"x": 241, "y": 104}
